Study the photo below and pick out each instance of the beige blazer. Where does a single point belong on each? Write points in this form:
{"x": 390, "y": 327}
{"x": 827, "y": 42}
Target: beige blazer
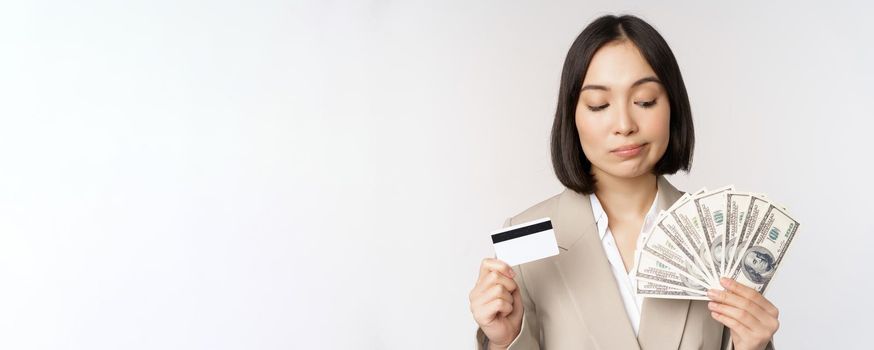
{"x": 572, "y": 300}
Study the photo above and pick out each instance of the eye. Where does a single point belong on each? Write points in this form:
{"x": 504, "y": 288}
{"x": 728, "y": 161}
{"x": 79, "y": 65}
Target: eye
{"x": 598, "y": 108}
{"x": 646, "y": 104}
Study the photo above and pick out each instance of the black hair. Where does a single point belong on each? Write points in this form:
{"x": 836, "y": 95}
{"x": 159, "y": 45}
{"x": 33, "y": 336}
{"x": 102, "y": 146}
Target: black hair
{"x": 571, "y": 166}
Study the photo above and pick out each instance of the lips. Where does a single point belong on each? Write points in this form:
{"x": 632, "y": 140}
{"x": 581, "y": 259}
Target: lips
{"x": 629, "y": 151}
{"x": 628, "y": 147}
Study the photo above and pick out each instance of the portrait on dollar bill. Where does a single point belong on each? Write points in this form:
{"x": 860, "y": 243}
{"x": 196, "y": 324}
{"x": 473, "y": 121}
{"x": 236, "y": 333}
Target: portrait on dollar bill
{"x": 758, "y": 264}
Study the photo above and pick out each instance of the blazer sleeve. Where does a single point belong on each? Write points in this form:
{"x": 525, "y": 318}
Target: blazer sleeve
{"x": 529, "y": 335}
{"x": 727, "y": 345}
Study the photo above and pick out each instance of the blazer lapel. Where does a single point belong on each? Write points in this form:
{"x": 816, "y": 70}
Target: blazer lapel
{"x": 662, "y": 321}
{"x": 587, "y": 274}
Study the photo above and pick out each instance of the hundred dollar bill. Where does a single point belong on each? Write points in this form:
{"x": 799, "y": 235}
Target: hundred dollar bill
{"x": 711, "y": 211}
{"x": 758, "y": 263}
{"x": 682, "y": 200}
{"x": 684, "y": 221}
{"x": 755, "y": 213}
{"x": 736, "y": 213}
{"x": 674, "y": 232}
{"x": 652, "y": 289}
{"x": 650, "y": 268}
{"x": 663, "y": 246}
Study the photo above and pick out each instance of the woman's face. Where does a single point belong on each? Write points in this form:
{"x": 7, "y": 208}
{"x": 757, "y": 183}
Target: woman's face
{"x": 623, "y": 114}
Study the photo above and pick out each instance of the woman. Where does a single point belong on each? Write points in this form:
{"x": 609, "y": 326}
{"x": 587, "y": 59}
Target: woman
{"x": 623, "y": 121}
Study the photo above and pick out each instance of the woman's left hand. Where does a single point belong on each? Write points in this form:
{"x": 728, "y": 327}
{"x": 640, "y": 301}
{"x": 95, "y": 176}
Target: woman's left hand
{"x": 751, "y": 318}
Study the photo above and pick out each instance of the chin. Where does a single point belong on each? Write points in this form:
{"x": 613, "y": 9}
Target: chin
{"x": 624, "y": 171}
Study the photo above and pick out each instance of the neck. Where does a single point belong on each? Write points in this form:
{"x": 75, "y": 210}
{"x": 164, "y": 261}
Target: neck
{"x": 625, "y": 197}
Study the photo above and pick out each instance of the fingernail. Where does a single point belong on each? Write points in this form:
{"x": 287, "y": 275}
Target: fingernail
{"x": 712, "y": 293}
{"x": 725, "y": 281}
{"x": 711, "y": 305}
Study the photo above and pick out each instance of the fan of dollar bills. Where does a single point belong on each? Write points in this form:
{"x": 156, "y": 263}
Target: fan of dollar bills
{"x": 711, "y": 234}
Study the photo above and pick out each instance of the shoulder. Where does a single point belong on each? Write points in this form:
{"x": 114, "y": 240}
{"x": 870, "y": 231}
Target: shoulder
{"x": 545, "y": 208}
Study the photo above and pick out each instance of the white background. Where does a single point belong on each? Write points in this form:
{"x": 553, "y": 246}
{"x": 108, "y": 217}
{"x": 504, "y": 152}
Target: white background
{"x": 324, "y": 175}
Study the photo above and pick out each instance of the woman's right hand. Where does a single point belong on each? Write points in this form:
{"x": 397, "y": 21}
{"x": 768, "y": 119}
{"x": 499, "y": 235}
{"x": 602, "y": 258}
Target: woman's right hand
{"x": 496, "y": 303}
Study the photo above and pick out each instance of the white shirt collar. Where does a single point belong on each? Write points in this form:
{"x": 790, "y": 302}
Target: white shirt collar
{"x": 601, "y": 215}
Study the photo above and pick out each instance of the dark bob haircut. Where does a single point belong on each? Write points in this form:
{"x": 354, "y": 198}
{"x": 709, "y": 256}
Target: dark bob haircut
{"x": 571, "y": 166}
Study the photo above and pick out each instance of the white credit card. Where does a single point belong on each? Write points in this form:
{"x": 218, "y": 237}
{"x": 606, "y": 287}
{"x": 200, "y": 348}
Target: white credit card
{"x": 529, "y": 241}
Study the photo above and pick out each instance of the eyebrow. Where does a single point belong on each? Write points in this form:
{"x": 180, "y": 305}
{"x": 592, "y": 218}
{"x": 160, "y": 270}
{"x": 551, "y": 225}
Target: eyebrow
{"x": 636, "y": 83}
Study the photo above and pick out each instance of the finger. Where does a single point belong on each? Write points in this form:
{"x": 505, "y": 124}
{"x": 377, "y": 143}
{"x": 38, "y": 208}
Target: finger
{"x": 497, "y": 278}
{"x": 498, "y": 308}
{"x": 732, "y": 299}
{"x": 493, "y": 279}
{"x": 497, "y": 292}
{"x": 740, "y": 315}
{"x": 517, "y": 305}
{"x": 487, "y": 312}
{"x": 751, "y": 294}
{"x": 481, "y": 304}
{"x": 492, "y": 264}
{"x": 731, "y": 323}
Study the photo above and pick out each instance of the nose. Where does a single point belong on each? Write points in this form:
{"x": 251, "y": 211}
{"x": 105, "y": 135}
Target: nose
{"x": 625, "y": 124}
